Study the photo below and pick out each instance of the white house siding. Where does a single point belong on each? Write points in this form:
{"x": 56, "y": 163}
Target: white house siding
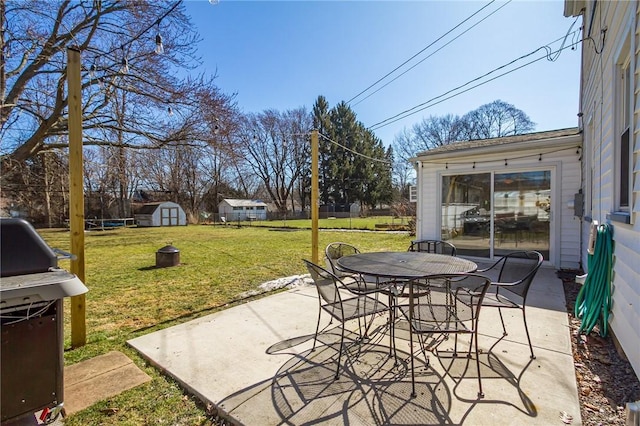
{"x": 565, "y": 235}
{"x": 620, "y": 18}
{"x": 568, "y": 184}
{"x": 238, "y": 209}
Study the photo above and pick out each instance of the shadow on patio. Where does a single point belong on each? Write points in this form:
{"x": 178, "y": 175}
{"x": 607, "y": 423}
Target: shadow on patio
{"x": 254, "y": 364}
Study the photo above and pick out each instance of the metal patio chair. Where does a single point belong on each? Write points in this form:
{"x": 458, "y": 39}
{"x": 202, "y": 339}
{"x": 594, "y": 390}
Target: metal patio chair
{"x": 355, "y": 306}
{"x": 438, "y": 310}
{"x": 515, "y": 275}
{"x": 335, "y": 251}
{"x": 433, "y": 246}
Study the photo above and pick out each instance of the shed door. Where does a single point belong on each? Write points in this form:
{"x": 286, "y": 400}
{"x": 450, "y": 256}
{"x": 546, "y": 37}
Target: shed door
{"x": 169, "y": 216}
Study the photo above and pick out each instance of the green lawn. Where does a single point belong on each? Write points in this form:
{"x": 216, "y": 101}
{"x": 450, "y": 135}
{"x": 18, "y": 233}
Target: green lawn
{"x": 364, "y": 223}
{"x": 128, "y": 297}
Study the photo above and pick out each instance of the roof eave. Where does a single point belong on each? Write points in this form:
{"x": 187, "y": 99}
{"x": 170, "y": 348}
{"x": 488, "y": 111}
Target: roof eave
{"x": 567, "y": 141}
{"x": 573, "y": 7}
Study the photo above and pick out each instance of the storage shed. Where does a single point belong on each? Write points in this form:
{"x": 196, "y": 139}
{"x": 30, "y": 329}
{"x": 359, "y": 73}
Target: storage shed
{"x": 161, "y": 214}
{"x": 237, "y": 209}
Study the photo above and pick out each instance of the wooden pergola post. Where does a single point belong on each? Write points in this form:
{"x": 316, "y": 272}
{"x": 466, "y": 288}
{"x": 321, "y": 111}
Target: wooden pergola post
{"x": 76, "y": 193}
{"x": 314, "y": 197}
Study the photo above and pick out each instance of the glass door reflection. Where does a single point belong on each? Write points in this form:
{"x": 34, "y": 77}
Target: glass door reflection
{"x": 466, "y": 213}
{"x": 522, "y": 206}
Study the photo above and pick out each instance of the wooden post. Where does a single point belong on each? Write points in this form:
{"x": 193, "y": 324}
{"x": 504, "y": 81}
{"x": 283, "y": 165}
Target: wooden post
{"x": 314, "y": 197}
{"x": 76, "y": 194}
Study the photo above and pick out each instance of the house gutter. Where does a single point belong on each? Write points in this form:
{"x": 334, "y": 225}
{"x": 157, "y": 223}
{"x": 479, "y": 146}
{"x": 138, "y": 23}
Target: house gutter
{"x": 544, "y": 145}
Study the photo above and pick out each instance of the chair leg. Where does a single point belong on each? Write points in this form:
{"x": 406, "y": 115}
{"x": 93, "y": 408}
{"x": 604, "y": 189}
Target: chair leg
{"x": 340, "y": 353}
{"x": 315, "y": 337}
{"x": 413, "y": 374}
{"x": 392, "y": 329}
{"x": 504, "y": 329}
{"x": 526, "y": 329}
{"x": 480, "y": 393}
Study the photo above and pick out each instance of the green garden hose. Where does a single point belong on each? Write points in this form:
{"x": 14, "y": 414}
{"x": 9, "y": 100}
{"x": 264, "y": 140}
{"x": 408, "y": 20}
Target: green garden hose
{"x": 593, "y": 303}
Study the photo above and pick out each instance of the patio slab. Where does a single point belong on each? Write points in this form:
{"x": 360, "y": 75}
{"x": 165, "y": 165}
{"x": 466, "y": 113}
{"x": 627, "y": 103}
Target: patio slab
{"x": 254, "y": 363}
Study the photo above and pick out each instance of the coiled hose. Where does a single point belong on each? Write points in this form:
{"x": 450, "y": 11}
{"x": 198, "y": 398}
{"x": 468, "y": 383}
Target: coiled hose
{"x": 593, "y": 302}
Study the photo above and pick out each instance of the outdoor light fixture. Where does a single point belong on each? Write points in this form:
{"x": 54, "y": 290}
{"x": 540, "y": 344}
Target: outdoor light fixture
{"x": 159, "y": 47}
{"x": 124, "y": 69}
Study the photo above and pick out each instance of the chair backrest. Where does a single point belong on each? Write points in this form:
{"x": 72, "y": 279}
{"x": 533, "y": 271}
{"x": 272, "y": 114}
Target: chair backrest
{"x": 519, "y": 268}
{"x": 433, "y": 246}
{"x": 461, "y": 294}
{"x": 326, "y": 283}
{"x": 335, "y": 251}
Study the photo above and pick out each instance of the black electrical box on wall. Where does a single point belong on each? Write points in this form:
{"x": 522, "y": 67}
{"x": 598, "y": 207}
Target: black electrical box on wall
{"x": 578, "y": 204}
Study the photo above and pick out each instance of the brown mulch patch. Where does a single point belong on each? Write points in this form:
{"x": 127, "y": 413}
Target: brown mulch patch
{"x": 606, "y": 382}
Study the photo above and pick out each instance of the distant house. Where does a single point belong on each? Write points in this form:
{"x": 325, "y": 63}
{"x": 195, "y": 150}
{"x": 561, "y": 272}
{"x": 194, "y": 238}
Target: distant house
{"x": 610, "y": 122}
{"x": 161, "y": 214}
{"x": 232, "y": 209}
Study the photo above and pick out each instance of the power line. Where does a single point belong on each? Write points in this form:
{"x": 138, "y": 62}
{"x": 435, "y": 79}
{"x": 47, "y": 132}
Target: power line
{"x": 328, "y": 139}
{"x": 428, "y": 46}
{"x": 431, "y": 54}
{"x": 427, "y": 104}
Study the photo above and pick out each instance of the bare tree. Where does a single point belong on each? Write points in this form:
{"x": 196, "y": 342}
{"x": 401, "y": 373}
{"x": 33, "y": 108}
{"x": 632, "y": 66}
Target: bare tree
{"x": 492, "y": 120}
{"x": 275, "y": 147}
{"x": 117, "y": 40}
{"x": 495, "y": 120}
{"x": 131, "y": 96}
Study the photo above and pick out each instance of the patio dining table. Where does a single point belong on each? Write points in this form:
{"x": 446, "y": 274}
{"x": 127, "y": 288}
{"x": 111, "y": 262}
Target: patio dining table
{"x": 394, "y": 269}
{"x": 404, "y": 265}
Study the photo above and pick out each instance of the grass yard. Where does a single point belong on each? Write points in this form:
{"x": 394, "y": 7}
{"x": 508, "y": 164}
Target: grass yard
{"x": 129, "y": 297}
{"x": 362, "y": 223}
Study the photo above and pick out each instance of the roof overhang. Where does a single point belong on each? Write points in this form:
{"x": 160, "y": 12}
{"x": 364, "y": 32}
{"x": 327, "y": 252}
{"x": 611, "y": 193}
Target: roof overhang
{"x": 542, "y": 144}
{"x": 574, "y": 7}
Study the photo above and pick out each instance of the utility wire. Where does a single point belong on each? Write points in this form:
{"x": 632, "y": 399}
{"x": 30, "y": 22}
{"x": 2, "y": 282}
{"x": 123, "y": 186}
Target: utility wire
{"x": 328, "y": 139}
{"x": 430, "y": 55}
{"x": 428, "y": 46}
{"x": 428, "y": 103}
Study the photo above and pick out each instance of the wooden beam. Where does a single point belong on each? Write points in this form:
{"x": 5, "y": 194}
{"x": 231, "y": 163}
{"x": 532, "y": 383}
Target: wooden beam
{"x": 314, "y": 197}
{"x": 76, "y": 193}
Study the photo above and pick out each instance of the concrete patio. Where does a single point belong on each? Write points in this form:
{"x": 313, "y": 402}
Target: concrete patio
{"x": 254, "y": 364}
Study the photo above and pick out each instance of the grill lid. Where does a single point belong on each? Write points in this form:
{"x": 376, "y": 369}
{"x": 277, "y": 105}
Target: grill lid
{"x": 22, "y": 249}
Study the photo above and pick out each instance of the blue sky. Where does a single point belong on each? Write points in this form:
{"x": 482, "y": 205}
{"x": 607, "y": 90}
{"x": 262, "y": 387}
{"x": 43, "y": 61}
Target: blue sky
{"x": 283, "y": 54}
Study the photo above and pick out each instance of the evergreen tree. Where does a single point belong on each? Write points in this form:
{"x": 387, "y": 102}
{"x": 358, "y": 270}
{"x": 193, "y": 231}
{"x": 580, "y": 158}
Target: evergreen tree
{"x": 354, "y": 166}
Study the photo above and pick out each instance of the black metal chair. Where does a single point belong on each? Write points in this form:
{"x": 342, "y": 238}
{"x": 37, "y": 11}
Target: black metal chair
{"x": 433, "y": 246}
{"x": 515, "y": 275}
{"x": 356, "y": 306}
{"x": 335, "y": 251}
{"x": 437, "y": 310}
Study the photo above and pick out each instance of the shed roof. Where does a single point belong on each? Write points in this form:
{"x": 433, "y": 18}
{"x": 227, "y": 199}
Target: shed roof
{"x": 235, "y": 202}
{"x": 149, "y": 208}
{"x": 501, "y": 143}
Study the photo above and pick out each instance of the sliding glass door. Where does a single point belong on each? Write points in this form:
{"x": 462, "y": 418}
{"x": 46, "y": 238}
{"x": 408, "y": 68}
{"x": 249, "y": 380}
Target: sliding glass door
{"x": 466, "y": 213}
{"x": 492, "y": 214}
{"x": 522, "y": 206}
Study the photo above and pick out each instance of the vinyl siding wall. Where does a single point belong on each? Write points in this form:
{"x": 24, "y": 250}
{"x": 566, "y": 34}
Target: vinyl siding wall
{"x": 598, "y": 104}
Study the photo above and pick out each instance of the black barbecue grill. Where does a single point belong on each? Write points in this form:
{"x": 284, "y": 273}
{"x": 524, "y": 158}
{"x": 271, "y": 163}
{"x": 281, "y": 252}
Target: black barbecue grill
{"x": 32, "y": 288}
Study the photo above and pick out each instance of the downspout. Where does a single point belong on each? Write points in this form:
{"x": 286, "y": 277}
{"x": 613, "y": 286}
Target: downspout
{"x": 583, "y": 163}
{"x": 419, "y": 189}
